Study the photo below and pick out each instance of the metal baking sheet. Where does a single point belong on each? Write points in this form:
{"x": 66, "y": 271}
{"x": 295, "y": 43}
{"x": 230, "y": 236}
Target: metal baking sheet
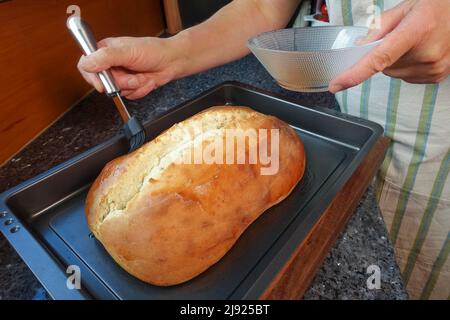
{"x": 47, "y": 212}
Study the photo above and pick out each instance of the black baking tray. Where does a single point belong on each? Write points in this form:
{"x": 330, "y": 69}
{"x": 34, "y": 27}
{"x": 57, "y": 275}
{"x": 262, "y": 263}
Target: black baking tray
{"x": 43, "y": 218}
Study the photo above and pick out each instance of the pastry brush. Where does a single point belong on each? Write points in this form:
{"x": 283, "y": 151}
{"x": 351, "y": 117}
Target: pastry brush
{"x": 84, "y": 36}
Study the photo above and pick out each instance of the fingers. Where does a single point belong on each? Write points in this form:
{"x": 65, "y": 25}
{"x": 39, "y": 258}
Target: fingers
{"x": 126, "y": 80}
{"x": 394, "y": 45}
{"x": 107, "y": 42}
{"x": 117, "y": 42}
{"x": 398, "y": 39}
{"x": 386, "y": 22}
{"x": 426, "y": 73}
{"x": 125, "y": 93}
{"x": 117, "y": 55}
{"x": 133, "y": 86}
{"x": 91, "y": 78}
{"x": 141, "y": 92}
{"x": 123, "y": 79}
{"x": 105, "y": 58}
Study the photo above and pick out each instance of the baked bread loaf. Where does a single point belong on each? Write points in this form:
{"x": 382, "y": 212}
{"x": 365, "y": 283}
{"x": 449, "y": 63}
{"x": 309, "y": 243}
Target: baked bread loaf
{"x": 166, "y": 218}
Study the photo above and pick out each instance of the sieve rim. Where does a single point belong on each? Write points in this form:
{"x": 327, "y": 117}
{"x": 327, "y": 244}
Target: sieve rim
{"x": 254, "y": 47}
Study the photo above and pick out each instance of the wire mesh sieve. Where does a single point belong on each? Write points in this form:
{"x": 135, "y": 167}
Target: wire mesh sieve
{"x": 307, "y": 59}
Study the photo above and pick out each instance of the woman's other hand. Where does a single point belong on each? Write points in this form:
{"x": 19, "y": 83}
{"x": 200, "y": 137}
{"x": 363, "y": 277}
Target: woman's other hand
{"x": 416, "y": 46}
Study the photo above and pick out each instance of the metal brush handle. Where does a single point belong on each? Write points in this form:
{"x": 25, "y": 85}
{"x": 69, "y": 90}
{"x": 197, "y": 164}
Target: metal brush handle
{"x": 83, "y": 34}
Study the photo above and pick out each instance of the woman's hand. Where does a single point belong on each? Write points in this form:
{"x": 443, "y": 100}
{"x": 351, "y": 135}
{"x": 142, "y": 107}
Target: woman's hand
{"x": 416, "y": 47}
{"x": 139, "y": 65}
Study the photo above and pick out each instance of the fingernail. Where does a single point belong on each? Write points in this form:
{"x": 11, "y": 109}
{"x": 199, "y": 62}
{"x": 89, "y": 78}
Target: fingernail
{"x": 335, "y": 88}
{"x": 364, "y": 40}
{"x": 98, "y": 87}
{"x": 133, "y": 83}
{"x": 361, "y": 41}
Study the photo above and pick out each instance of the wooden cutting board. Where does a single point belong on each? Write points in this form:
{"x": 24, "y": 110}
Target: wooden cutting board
{"x": 297, "y": 274}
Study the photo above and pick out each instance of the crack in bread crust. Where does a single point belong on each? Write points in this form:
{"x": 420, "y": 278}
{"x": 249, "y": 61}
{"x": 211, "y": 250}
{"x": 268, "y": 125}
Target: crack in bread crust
{"x": 174, "y": 135}
{"x": 165, "y": 222}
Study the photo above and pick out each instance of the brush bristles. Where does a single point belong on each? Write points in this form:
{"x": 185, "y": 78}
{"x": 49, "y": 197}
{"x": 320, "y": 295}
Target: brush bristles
{"x": 137, "y": 140}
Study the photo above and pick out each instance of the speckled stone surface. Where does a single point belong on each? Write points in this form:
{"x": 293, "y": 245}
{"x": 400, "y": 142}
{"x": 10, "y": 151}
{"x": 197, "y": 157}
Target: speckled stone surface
{"x": 363, "y": 243}
{"x": 93, "y": 120}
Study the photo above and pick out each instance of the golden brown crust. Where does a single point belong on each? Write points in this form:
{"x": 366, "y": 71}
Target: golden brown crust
{"x": 167, "y": 222}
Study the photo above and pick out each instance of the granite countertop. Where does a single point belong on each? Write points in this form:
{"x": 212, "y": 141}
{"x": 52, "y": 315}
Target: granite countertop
{"x": 342, "y": 276}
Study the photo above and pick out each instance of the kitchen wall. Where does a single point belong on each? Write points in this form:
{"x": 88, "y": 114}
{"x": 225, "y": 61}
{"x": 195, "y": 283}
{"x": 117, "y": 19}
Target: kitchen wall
{"x": 38, "y": 76}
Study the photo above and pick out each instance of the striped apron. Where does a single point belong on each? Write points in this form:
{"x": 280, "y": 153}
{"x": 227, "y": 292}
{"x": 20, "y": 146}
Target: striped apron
{"x": 413, "y": 184}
